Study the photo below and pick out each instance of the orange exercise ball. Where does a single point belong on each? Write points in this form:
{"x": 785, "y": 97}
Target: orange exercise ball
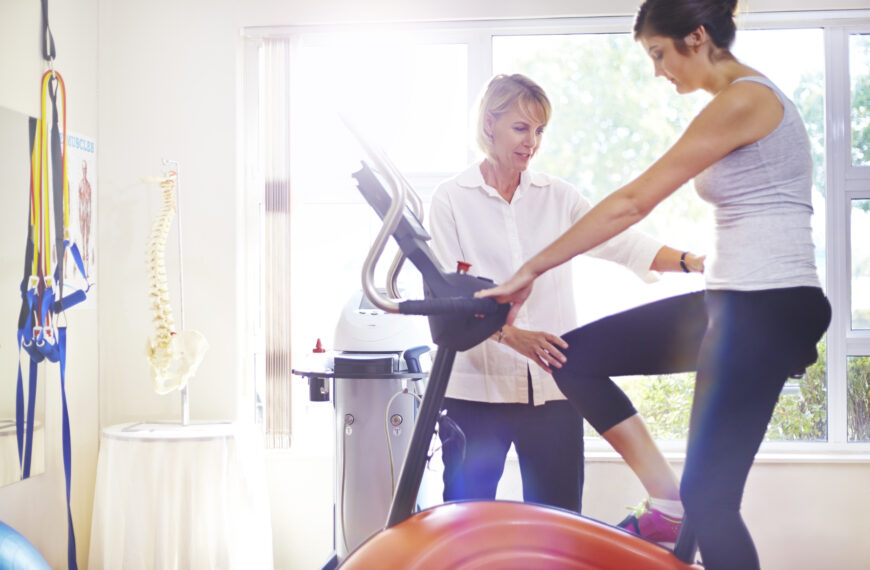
{"x": 504, "y": 535}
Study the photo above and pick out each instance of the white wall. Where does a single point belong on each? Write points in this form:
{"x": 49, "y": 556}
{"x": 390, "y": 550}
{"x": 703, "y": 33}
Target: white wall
{"x": 37, "y": 507}
{"x": 167, "y": 90}
{"x": 158, "y": 79}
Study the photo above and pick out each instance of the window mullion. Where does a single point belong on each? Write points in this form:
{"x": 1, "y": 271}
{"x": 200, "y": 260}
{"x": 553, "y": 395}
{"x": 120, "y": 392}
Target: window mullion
{"x": 837, "y": 206}
{"x": 479, "y": 72}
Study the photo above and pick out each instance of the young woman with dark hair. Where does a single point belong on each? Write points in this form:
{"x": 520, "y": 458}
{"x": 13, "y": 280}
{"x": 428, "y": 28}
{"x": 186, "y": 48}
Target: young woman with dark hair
{"x": 763, "y": 309}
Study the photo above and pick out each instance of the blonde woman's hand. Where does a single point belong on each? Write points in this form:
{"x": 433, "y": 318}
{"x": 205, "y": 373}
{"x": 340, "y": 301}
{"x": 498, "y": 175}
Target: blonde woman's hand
{"x": 541, "y": 347}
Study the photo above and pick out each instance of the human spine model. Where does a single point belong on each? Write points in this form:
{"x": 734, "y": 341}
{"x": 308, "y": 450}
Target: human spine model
{"x": 174, "y": 357}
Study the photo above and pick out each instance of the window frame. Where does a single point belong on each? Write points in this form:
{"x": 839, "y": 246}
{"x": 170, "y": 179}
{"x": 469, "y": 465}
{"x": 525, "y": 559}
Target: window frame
{"x": 850, "y": 182}
{"x": 844, "y": 182}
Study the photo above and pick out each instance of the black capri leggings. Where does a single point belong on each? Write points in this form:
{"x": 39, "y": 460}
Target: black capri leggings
{"x": 744, "y": 345}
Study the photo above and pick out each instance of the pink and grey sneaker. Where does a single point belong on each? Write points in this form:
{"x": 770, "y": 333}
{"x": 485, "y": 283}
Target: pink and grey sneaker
{"x": 653, "y": 524}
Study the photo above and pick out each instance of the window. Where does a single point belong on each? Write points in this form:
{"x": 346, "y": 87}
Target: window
{"x": 410, "y": 95}
{"x": 611, "y": 121}
{"x": 414, "y": 88}
{"x": 859, "y": 75}
{"x": 856, "y": 183}
{"x": 859, "y": 410}
{"x": 860, "y": 257}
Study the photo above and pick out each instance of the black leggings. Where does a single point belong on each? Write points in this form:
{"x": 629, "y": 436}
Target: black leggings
{"x": 744, "y": 346}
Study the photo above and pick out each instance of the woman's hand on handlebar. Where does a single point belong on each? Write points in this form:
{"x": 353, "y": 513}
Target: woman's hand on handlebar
{"x": 541, "y": 347}
{"x": 515, "y": 291}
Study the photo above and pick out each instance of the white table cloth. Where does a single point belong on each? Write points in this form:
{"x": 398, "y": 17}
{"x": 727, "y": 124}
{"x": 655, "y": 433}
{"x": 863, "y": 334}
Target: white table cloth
{"x": 179, "y": 497}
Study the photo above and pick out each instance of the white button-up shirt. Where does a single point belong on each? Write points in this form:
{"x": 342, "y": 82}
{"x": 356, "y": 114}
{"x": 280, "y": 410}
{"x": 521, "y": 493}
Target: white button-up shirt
{"x": 469, "y": 221}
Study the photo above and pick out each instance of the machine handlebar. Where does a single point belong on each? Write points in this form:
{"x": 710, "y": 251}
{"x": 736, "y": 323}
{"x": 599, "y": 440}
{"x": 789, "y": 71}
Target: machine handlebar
{"x": 450, "y": 306}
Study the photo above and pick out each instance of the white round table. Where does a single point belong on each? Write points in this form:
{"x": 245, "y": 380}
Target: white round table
{"x": 172, "y": 496}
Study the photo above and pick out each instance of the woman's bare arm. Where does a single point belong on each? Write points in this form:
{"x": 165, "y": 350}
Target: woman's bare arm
{"x": 739, "y": 115}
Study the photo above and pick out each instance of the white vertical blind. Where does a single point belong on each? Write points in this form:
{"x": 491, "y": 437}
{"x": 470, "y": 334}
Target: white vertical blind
{"x": 275, "y": 125}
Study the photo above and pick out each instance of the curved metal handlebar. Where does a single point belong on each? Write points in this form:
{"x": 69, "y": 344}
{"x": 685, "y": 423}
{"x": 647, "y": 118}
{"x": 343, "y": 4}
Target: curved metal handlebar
{"x": 416, "y": 205}
{"x": 402, "y": 192}
{"x": 391, "y": 221}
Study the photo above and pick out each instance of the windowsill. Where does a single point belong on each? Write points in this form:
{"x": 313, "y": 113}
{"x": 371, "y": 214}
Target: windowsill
{"x": 762, "y": 457}
{"x": 773, "y": 452}
{"x": 599, "y": 452}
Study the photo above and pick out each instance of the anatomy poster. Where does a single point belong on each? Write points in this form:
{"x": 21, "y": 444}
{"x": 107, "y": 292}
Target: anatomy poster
{"x": 81, "y": 174}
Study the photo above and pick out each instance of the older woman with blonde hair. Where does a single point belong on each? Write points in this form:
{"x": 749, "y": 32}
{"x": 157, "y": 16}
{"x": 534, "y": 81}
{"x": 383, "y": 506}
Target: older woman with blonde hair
{"x": 496, "y": 215}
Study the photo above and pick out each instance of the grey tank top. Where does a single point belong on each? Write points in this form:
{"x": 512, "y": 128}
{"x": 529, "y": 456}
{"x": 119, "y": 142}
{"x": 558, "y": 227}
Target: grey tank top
{"x": 762, "y": 197}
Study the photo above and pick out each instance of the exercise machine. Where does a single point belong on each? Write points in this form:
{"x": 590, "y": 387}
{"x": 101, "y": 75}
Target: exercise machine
{"x": 469, "y": 534}
{"x": 374, "y": 378}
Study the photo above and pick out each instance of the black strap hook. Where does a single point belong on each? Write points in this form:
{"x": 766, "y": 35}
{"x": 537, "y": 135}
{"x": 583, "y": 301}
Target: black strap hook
{"x": 48, "y": 51}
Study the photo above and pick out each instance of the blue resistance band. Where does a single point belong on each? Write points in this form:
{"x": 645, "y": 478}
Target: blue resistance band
{"x": 42, "y": 302}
